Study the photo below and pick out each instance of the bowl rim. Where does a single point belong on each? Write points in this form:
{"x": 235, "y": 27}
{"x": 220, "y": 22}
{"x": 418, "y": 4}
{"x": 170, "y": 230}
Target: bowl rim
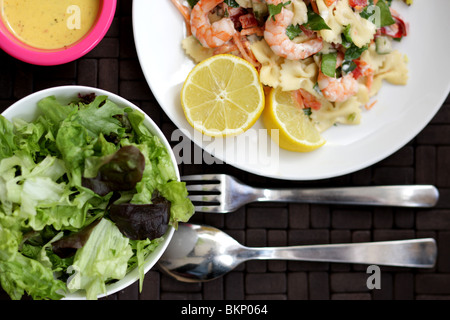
{"x": 68, "y": 91}
{"x": 31, "y": 55}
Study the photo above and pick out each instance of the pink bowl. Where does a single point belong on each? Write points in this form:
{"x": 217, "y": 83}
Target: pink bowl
{"x": 11, "y": 45}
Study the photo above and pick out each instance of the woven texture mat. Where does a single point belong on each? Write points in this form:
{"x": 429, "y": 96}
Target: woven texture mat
{"x": 113, "y": 66}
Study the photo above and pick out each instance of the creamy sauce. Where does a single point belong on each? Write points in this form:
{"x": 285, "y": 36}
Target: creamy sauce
{"x": 49, "y": 24}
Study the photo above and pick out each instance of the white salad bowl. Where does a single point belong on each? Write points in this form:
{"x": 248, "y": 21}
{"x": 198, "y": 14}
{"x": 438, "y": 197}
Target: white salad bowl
{"x": 26, "y": 109}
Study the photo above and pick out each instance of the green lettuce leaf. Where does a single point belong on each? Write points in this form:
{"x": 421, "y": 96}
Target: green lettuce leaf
{"x": 54, "y": 112}
{"x": 104, "y": 256}
{"x": 20, "y": 274}
{"x": 72, "y": 141}
{"x": 7, "y": 144}
{"x": 99, "y": 117}
{"x": 182, "y": 208}
{"x": 142, "y": 249}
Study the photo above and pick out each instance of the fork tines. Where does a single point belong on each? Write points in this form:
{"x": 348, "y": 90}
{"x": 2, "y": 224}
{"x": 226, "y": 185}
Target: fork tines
{"x": 204, "y": 191}
{"x": 203, "y": 177}
{"x": 202, "y": 183}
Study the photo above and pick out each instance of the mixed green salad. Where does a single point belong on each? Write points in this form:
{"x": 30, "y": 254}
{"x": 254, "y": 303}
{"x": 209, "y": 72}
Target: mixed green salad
{"x": 87, "y": 192}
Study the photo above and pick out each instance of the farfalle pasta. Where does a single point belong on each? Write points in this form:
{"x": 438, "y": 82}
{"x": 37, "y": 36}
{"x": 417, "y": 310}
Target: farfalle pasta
{"x": 300, "y": 12}
{"x": 391, "y": 67}
{"x": 195, "y": 50}
{"x": 332, "y": 34}
{"x": 362, "y": 30}
{"x": 270, "y": 69}
{"x": 338, "y": 52}
{"x": 294, "y": 73}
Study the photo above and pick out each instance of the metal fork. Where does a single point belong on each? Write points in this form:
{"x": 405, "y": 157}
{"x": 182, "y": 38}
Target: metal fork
{"x": 221, "y": 193}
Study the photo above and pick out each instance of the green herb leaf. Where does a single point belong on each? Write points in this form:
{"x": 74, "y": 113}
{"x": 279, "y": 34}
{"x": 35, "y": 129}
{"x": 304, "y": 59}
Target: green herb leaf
{"x": 348, "y": 66}
{"x": 307, "y": 111}
{"x": 368, "y": 10}
{"x": 192, "y": 3}
{"x": 232, "y": 3}
{"x": 354, "y": 52}
{"x": 347, "y": 33}
{"x": 385, "y": 14}
{"x": 346, "y": 36}
{"x": 329, "y": 64}
{"x": 293, "y": 31}
{"x": 351, "y": 117}
{"x": 379, "y": 14}
{"x": 316, "y": 88}
{"x": 315, "y": 22}
{"x": 276, "y": 9}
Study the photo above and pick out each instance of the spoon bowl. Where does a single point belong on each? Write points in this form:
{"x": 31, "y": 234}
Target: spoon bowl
{"x": 200, "y": 253}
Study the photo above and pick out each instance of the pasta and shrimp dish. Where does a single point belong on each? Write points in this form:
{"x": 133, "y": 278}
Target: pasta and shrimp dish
{"x": 333, "y": 55}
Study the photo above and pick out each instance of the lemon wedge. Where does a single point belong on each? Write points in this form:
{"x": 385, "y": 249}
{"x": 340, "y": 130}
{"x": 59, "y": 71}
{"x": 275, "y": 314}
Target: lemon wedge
{"x": 222, "y": 96}
{"x": 295, "y": 131}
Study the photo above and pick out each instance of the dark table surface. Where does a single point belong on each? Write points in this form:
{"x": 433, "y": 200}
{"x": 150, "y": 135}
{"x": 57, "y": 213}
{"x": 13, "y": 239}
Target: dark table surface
{"x": 113, "y": 66}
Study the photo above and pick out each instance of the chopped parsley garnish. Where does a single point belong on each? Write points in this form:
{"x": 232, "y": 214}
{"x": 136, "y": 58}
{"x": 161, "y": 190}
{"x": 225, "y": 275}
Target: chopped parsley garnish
{"x": 276, "y": 9}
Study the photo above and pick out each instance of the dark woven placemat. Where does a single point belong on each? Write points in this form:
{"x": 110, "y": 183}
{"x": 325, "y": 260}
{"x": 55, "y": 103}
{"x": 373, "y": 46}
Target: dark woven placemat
{"x": 113, "y": 66}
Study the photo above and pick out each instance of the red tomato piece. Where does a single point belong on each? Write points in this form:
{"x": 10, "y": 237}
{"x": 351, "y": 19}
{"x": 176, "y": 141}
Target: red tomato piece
{"x": 359, "y": 4}
{"x": 248, "y": 21}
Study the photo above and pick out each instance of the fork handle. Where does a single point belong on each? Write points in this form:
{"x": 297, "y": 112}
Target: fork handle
{"x": 402, "y": 195}
{"x": 414, "y": 253}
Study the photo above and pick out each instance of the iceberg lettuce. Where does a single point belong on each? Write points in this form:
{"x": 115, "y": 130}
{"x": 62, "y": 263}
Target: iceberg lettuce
{"x": 104, "y": 257}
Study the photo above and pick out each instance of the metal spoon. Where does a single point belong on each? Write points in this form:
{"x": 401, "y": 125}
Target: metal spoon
{"x": 200, "y": 253}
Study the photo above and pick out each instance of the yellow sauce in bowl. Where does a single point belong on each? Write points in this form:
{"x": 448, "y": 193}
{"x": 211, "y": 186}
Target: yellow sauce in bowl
{"x": 49, "y": 24}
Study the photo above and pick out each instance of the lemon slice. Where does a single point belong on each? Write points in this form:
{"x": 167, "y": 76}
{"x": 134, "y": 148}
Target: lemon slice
{"x": 295, "y": 131}
{"x": 222, "y": 96}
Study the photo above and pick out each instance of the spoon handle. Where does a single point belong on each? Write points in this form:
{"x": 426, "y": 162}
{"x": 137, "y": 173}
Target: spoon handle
{"x": 400, "y": 195}
{"x": 417, "y": 253}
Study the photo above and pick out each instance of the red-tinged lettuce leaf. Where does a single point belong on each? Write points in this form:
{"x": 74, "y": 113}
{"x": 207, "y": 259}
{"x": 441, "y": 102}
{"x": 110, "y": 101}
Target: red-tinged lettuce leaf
{"x": 120, "y": 171}
{"x": 142, "y": 221}
{"x": 68, "y": 246}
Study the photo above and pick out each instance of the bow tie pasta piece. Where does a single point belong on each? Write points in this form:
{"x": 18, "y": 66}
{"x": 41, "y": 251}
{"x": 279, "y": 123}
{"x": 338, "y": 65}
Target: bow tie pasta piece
{"x": 300, "y": 12}
{"x": 362, "y": 30}
{"x": 338, "y": 16}
{"x": 347, "y": 112}
{"x": 395, "y": 69}
{"x": 327, "y": 13}
{"x": 295, "y": 72}
{"x": 195, "y": 50}
{"x": 270, "y": 63}
{"x": 391, "y": 67}
{"x": 374, "y": 59}
{"x": 245, "y": 3}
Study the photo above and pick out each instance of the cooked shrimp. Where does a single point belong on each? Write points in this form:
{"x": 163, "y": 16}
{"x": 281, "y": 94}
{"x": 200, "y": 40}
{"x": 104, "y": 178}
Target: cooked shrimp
{"x": 309, "y": 100}
{"x": 363, "y": 69}
{"x": 279, "y": 42}
{"x": 329, "y": 2}
{"x": 306, "y": 99}
{"x": 186, "y": 14}
{"x": 211, "y": 35}
{"x": 337, "y": 89}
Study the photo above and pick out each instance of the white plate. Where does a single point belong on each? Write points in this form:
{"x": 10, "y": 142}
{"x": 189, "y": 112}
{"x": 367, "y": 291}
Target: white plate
{"x": 400, "y": 114}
